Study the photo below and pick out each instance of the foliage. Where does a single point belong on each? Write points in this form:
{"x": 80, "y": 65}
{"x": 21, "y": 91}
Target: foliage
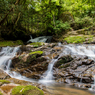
{"x": 20, "y": 18}
{"x": 81, "y": 23}
{"x": 60, "y": 26}
{"x": 26, "y": 90}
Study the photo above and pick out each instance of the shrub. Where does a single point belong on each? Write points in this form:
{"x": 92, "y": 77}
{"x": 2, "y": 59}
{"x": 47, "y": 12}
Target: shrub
{"x": 80, "y": 23}
{"x": 60, "y": 26}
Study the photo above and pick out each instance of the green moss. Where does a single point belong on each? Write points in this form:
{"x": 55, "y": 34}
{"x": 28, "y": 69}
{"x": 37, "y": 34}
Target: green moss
{"x": 64, "y": 66}
{"x": 78, "y": 39}
{"x": 26, "y": 90}
{"x": 1, "y": 93}
{"x": 36, "y": 52}
{"x": 37, "y": 44}
{"x": 10, "y": 43}
{"x": 4, "y": 81}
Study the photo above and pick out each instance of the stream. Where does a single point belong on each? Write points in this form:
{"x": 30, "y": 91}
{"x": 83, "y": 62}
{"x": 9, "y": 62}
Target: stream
{"x": 7, "y": 53}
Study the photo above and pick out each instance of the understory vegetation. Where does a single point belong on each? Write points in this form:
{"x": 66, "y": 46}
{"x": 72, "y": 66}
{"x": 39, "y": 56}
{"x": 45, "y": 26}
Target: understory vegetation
{"x": 21, "y": 18}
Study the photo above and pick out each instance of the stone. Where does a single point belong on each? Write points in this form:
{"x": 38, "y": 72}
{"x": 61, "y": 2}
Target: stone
{"x": 3, "y": 75}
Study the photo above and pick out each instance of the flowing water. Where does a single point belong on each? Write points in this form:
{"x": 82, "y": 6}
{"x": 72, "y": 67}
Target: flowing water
{"x": 87, "y": 50}
{"x": 7, "y": 53}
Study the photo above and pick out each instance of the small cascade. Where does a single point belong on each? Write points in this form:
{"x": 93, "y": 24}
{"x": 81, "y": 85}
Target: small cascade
{"x": 80, "y": 81}
{"x": 48, "y": 73}
{"x": 6, "y": 54}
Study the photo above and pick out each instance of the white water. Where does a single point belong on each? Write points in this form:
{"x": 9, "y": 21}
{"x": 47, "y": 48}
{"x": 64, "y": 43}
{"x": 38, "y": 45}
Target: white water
{"x": 49, "y": 73}
{"x": 87, "y": 50}
{"x": 6, "y": 54}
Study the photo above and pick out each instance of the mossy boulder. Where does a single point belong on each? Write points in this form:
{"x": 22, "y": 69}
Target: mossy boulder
{"x": 4, "y": 82}
{"x": 78, "y": 39}
{"x": 26, "y": 90}
{"x": 37, "y": 44}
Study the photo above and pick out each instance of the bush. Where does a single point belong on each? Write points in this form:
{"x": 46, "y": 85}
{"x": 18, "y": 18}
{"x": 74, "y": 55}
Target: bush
{"x": 80, "y": 23}
{"x": 60, "y": 26}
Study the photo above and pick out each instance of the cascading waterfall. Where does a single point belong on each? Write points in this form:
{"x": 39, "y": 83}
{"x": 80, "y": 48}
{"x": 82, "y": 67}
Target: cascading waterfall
{"x": 49, "y": 73}
{"x": 6, "y": 54}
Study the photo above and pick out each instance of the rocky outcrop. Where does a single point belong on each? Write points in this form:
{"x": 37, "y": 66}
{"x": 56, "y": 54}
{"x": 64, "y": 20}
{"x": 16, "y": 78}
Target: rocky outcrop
{"x": 75, "y": 71}
{"x": 32, "y": 62}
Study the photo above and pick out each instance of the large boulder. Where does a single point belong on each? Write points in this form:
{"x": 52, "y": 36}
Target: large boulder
{"x": 31, "y": 65}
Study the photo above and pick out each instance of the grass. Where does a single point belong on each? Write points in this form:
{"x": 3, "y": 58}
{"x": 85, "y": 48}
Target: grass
{"x": 26, "y": 90}
{"x": 10, "y": 43}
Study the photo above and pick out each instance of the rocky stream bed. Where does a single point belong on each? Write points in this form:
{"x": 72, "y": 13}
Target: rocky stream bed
{"x": 74, "y": 66}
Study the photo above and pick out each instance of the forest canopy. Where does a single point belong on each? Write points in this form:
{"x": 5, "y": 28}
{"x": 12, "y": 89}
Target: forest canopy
{"x": 21, "y": 18}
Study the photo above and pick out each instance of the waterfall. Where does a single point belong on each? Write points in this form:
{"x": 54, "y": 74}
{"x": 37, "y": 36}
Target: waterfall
{"x": 49, "y": 73}
{"x": 6, "y": 54}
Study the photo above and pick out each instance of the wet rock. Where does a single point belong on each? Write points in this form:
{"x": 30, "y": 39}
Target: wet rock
{"x": 3, "y": 75}
{"x": 87, "y": 62}
{"x": 31, "y": 66}
{"x": 63, "y": 60}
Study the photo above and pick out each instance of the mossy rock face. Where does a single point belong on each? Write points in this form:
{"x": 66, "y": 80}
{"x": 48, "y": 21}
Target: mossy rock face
{"x": 63, "y": 60}
{"x": 33, "y": 56}
{"x": 10, "y": 43}
{"x": 26, "y": 90}
{"x": 78, "y": 39}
